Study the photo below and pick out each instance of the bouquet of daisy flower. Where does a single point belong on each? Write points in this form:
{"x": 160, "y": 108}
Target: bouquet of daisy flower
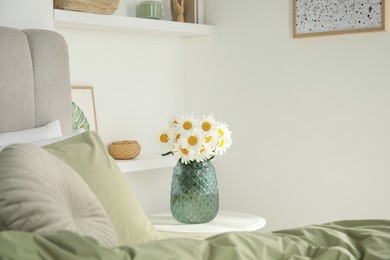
{"x": 192, "y": 139}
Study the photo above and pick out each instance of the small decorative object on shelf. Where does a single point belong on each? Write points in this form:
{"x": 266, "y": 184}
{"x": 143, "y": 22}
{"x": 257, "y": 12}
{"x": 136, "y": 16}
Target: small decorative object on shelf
{"x": 149, "y": 9}
{"x": 178, "y": 10}
{"x": 88, "y": 6}
{"x": 194, "y": 142}
{"x": 124, "y": 150}
{"x": 189, "y": 11}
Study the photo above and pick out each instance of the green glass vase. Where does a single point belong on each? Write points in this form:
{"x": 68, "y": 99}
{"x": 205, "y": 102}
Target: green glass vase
{"x": 194, "y": 192}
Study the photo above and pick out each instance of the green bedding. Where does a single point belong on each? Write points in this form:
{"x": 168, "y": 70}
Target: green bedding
{"x": 363, "y": 239}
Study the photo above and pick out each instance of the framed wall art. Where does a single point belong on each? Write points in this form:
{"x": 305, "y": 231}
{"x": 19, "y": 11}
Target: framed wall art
{"x": 326, "y": 17}
{"x": 83, "y": 108}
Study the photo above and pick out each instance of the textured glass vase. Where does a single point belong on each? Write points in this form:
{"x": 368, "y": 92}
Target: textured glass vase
{"x": 194, "y": 192}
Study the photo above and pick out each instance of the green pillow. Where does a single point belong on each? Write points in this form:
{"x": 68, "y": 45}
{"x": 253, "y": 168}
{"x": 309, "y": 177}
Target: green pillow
{"x": 88, "y": 156}
{"x": 40, "y": 193}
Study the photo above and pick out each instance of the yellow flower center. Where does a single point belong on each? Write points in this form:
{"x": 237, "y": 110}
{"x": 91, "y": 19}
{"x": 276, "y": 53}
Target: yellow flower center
{"x": 206, "y": 126}
{"x": 208, "y": 139}
{"x": 220, "y": 131}
{"x": 164, "y": 138}
{"x": 184, "y": 151}
{"x": 192, "y": 140}
{"x": 187, "y": 125}
{"x": 221, "y": 142}
{"x": 177, "y": 137}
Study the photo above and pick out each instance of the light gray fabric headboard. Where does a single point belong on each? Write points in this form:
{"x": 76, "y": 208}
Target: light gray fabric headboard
{"x": 34, "y": 80}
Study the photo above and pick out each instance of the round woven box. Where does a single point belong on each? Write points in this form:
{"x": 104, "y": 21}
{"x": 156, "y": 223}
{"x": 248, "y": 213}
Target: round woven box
{"x": 88, "y": 6}
{"x": 124, "y": 150}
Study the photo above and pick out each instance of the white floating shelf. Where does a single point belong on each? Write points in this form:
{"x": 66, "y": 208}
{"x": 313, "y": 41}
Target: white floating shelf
{"x": 146, "y": 162}
{"x": 70, "y": 19}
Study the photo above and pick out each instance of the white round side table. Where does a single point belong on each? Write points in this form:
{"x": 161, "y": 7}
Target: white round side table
{"x": 225, "y": 221}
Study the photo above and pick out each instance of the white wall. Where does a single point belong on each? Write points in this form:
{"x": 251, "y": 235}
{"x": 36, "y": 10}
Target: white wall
{"x": 138, "y": 81}
{"x": 27, "y": 14}
{"x": 310, "y": 117}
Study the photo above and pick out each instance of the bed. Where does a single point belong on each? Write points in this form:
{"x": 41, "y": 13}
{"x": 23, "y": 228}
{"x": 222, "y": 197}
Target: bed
{"x": 63, "y": 197}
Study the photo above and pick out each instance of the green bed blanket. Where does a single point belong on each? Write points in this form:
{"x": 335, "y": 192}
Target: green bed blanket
{"x": 359, "y": 239}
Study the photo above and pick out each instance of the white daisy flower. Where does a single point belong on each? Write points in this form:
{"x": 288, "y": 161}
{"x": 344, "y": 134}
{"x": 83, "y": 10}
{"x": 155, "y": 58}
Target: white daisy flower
{"x": 164, "y": 141}
{"x": 183, "y": 155}
{"x": 174, "y": 134}
{"x": 225, "y": 141}
{"x": 186, "y": 121}
{"x": 210, "y": 129}
{"x": 225, "y": 138}
{"x": 192, "y": 140}
{"x": 211, "y": 139}
{"x": 204, "y": 153}
{"x": 208, "y": 124}
{"x": 223, "y": 129}
{"x": 172, "y": 120}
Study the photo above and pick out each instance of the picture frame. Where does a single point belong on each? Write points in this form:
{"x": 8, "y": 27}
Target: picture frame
{"x": 83, "y": 99}
{"x": 331, "y": 17}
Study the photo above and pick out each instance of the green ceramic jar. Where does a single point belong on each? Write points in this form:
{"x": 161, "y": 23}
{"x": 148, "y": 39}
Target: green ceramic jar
{"x": 150, "y": 9}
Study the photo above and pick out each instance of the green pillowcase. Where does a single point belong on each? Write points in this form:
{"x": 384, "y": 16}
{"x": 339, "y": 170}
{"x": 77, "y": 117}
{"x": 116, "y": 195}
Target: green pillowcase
{"x": 88, "y": 156}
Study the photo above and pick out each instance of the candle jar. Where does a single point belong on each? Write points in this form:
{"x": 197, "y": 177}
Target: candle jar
{"x": 149, "y": 9}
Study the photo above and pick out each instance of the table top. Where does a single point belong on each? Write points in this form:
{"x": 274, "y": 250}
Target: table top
{"x": 225, "y": 221}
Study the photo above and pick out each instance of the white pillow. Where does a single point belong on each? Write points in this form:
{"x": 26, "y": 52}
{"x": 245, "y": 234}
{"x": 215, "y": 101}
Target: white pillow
{"x": 40, "y": 193}
{"x": 48, "y": 131}
{"x": 44, "y": 142}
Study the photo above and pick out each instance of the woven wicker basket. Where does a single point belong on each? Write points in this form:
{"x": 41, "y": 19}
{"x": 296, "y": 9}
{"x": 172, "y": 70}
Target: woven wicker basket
{"x": 124, "y": 150}
{"x": 88, "y": 6}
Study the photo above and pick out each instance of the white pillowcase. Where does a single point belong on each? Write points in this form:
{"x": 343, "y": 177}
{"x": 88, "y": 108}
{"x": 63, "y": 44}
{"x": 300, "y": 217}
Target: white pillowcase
{"x": 44, "y": 142}
{"x": 48, "y": 131}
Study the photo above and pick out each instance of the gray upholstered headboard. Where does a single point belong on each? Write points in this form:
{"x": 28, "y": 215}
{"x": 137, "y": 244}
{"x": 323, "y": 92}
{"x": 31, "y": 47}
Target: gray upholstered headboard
{"x": 34, "y": 80}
